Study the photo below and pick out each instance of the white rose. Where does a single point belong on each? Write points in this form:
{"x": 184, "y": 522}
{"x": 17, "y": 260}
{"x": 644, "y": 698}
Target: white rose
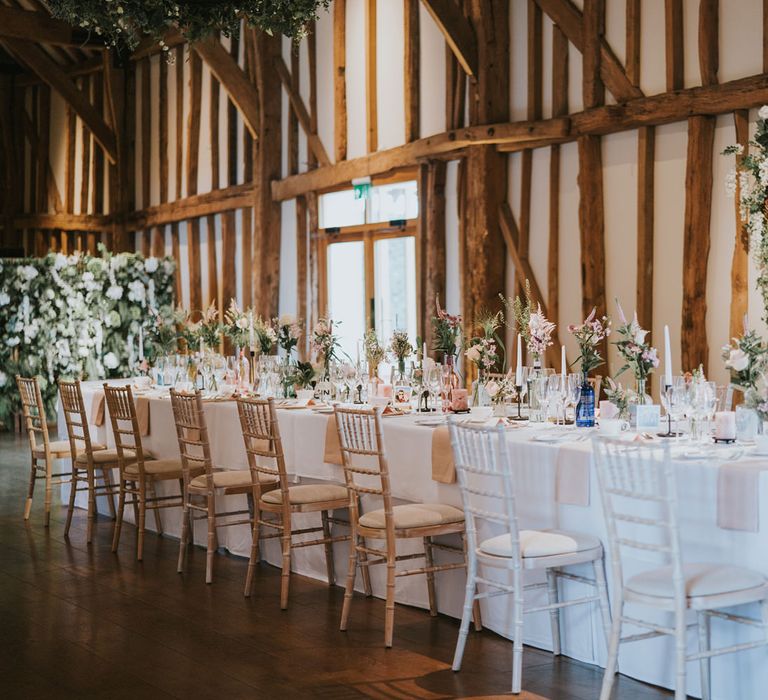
{"x": 738, "y": 359}
{"x": 151, "y": 265}
{"x": 286, "y": 320}
{"x": 115, "y": 292}
{"x": 12, "y": 342}
{"x": 242, "y": 323}
{"x": 492, "y": 388}
{"x": 763, "y": 112}
{"x": 473, "y": 353}
{"x": 87, "y": 277}
{"x": 4, "y": 299}
{"x": 639, "y": 336}
{"x": 137, "y": 291}
{"x": 110, "y": 360}
{"x": 60, "y": 261}
{"x": 50, "y": 294}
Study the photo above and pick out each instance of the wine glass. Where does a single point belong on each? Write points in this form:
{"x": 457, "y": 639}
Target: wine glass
{"x": 573, "y": 390}
{"x": 542, "y": 394}
{"x": 556, "y": 389}
{"x": 435, "y": 386}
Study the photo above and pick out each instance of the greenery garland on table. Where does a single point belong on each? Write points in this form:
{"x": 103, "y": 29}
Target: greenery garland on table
{"x": 77, "y": 316}
{"x": 126, "y": 22}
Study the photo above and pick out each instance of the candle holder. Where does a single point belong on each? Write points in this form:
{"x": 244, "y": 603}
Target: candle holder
{"x": 670, "y": 433}
{"x": 519, "y": 415}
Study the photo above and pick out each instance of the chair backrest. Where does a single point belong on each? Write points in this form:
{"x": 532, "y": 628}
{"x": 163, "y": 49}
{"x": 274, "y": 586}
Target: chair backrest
{"x": 192, "y": 433}
{"x": 639, "y": 495}
{"x": 33, "y": 410}
{"x": 125, "y": 425}
{"x": 485, "y": 478}
{"x": 73, "y": 408}
{"x": 365, "y": 465}
{"x": 263, "y": 445}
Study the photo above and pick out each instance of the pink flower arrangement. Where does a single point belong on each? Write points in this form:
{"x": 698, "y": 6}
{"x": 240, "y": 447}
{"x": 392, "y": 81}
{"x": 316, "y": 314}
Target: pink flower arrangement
{"x": 589, "y": 334}
{"x": 638, "y": 355}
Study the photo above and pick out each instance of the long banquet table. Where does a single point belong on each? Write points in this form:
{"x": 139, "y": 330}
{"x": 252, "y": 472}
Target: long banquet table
{"x": 537, "y": 466}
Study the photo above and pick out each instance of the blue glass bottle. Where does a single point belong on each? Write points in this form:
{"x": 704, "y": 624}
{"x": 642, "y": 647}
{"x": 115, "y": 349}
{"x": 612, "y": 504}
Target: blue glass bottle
{"x": 585, "y": 409}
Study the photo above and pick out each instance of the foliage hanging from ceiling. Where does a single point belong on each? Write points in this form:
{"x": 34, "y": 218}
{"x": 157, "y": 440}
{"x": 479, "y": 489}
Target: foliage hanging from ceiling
{"x": 124, "y": 23}
{"x": 76, "y": 316}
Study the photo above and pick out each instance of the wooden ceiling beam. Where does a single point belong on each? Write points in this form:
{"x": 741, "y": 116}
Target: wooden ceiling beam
{"x": 233, "y": 79}
{"x": 40, "y": 27}
{"x": 457, "y": 31}
{"x": 300, "y": 110}
{"x": 49, "y": 72}
{"x": 571, "y": 21}
{"x": 410, "y": 153}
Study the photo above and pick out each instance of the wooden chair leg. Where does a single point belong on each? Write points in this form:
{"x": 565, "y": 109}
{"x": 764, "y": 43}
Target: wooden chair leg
{"x": 211, "y": 517}
{"x": 350, "y": 585}
{"x": 285, "y": 576}
{"x": 142, "y": 494}
{"x": 429, "y": 561}
{"x": 706, "y": 663}
{"x": 119, "y": 517}
{"x": 71, "y": 507}
{"x": 329, "y": 563}
{"x": 253, "y": 560}
{"x": 184, "y": 539}
{"x": 107, "y": 478}
{"x": 156, "y": 511}
{"x": 91, "y": 504}
{"x": 31, "y": 491}
{"x": 364, "y": 568}
{"x": 389, "y": 613}
{"x": 48, "y": 493}
{"x": 554, "y": 614}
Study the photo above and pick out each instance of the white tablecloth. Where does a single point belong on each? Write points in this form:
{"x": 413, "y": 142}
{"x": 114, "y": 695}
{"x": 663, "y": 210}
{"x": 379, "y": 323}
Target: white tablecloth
{"x": 408, "y": 446}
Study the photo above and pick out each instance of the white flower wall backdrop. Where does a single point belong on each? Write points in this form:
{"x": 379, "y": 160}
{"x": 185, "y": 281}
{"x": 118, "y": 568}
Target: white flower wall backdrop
{"x": 76, "y": 316}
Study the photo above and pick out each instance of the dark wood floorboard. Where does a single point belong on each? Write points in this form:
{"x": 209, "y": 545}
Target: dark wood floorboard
{"x": 81, "y": 622}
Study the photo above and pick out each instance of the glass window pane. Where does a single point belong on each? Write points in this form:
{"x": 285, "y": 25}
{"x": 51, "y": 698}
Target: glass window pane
{"x": 341, "y": 209}
{"x": 395, "y": 263}
{"x": 346, "y": 293}
{"x": 394, "y": 202}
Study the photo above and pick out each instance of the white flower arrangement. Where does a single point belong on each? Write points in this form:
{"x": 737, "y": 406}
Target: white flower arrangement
{"x": 70, "y": 316}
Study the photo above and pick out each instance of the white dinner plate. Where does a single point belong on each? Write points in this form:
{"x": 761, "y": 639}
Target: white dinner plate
{"x": 430, "y": 422}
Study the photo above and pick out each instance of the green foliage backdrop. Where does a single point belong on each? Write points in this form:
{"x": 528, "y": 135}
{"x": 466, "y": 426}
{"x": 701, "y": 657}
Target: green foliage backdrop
{"x": 76, "y": 316}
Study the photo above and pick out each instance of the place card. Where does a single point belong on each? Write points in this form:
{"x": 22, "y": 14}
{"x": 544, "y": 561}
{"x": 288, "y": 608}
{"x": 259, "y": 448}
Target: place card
{"x": 648, "y": 417}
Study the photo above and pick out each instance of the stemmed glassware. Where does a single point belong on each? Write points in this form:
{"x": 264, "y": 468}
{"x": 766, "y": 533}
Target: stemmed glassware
{"x": 556, "y": 391}
{"x": 435, "y": 387}
{"x": 542, "y": 394}
{"x": 520, "y": 392}
{"x": 573, "y": 390}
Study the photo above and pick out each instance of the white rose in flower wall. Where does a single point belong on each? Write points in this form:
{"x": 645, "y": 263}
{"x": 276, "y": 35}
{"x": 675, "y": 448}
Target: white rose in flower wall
{"x": 763, "y": 112}
{"x": 738, "y": 359}
{"x": 151, "y": 265}
{"x": 115, "y": 292}
{"x": 137, "y": 291}
{"x": 110, "y": 360}
{"x": 4, "y": 299}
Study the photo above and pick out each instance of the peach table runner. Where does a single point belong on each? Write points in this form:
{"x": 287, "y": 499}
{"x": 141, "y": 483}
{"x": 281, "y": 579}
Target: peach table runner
{"x": 443, "y": 468}
{"x": 142, "y": 411}
{"x": 332, "y": 454}
{"x": 738, "y": 504}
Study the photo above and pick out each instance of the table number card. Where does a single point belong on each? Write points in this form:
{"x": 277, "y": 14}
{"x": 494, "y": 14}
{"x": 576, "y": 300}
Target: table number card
{"x": 648, "y": 417}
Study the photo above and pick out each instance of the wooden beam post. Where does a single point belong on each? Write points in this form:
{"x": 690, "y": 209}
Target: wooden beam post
{"x": 371, "y": 80}
{"x": 340, "y": 79}
{"x": 432, "y": 242}
{"x": 740, "y": 261}
{"x": 193, "y": 152}
{"x": 412, "y": 73}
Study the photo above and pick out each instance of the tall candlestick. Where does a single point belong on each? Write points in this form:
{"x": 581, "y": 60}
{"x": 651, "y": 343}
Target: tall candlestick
{"x": 251, "y": 334}
{"x": 563, "y": 366}
{"x": 519, "y": 368}
{"x": 424, "y": 350}
{"x": 746, "y": 323}
{"x": 667, "y": 358}
{"x": 141, "y": 344}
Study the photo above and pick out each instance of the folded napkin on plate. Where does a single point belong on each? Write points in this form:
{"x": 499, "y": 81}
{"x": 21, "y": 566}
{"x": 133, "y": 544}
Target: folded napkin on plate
{"x": 443, "y": 467}
{"x": 142, "y": 411}
{"x": 738, "y": 496}
{"x": 572, "y": 477}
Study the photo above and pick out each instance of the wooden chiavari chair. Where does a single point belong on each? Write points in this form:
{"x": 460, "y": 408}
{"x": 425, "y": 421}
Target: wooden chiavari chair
{"x": 138, "y": 471}
{"x": 485, "y": 476}
{"x": 43, "y": 450}
{"x": 90, "y": 462}
{"x": 367, "y": 473}
{"x": 638, "y": 488}
{"x": 261, "y": 433}
{"x": 200, "y": 491}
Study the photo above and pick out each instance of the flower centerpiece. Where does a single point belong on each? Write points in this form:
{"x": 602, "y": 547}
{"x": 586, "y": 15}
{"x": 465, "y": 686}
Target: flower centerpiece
{"x": 531, "y": 323}
{"x": 482, "y": 351}
{"x": 638, "y": 355}
{"x": 447, "y": 332}
{"x": 747, "y": 359}
{"x": 374, "y": 353}
{"x": 619, "y": 397}
{"x": 750, "y": 181}
{"x": 208, "y": 329}
{"x": 400, "y": 347}
{"x": 500, "y": 391}
{"x": 288, "y": 331}
{"x": 265, "y": 335}
{"x": 325, "y": 345}
{"x": 162, "y": 334}
{"x": 237, "y": 324}
{"x": 589, "y": 334}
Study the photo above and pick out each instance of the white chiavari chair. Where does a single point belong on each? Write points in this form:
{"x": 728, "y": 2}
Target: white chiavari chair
{"x": 639, "y": 494}
{"x": 485, "y": 476}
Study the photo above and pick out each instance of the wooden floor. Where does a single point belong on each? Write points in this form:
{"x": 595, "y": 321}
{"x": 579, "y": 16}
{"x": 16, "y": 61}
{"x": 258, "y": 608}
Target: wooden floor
{"x": 79, "y": 622}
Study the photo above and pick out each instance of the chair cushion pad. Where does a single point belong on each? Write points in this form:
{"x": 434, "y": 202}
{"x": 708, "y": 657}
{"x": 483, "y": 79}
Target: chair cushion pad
{"x": 308, "y": 493}
{"x": 110, "y": 455}
{"x": 60, "y": 448}
{"x": 164, "y": 467}
{"x": 226, "y": 479}
{"x": 540, "y": 543}
{"x": 700, "y": 580}
{"x": 414, "y": 515}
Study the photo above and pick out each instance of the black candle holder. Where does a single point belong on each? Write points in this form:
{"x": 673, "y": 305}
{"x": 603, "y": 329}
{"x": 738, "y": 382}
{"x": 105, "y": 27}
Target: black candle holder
{"x": 519, "y": 415}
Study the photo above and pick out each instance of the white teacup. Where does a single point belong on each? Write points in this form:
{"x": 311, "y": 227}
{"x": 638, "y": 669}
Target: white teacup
{"x": 612, "y": 427}
{"x": 761, "y": 444}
